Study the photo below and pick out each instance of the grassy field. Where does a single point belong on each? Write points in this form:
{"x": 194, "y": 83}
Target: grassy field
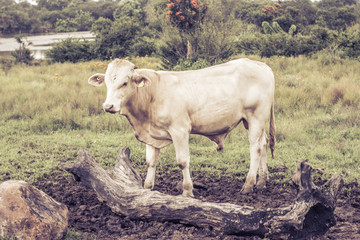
{"x": 48, "y": 112}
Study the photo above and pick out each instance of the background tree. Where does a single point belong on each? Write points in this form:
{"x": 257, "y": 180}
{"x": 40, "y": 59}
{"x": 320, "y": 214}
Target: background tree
{"x": 186, "y": 15}
{"x": 82, "y": 21}
{"x": 121, "y": 35}
{"x": 52, "y": 5}
{"x": 211, "y": 38}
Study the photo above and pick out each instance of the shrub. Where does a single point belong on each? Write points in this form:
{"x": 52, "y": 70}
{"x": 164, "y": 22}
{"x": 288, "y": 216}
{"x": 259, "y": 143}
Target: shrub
{"x": 143, "y": 46}
{"x": 349, "y": 44}
{"x": 172, "y": 50}
{"x": 22, "y": 55}
{"x": 282, "y": 44}
{"x": 71, "y": 50}
{"x": 6, "y": 64}
{"x": 267, "y": 28}
{"x": 191, "y": 64}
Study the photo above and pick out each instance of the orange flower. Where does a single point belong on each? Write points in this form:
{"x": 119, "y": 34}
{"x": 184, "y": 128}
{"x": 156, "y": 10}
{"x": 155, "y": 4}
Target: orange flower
{"x": 194, "y": 3}
{"x": 278, "y": 5}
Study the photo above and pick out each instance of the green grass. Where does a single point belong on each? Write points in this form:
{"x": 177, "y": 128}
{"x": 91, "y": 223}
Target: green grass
{"x": 47, "y": 113}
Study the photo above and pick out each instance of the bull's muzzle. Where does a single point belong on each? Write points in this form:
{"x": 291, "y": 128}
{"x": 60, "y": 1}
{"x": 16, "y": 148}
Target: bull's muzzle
{"x": 109, "y": 108}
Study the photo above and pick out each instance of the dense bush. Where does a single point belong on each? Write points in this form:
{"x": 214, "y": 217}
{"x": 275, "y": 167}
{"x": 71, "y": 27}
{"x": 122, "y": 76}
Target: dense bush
{"x": 284, "y": 44}
{"x": 22, "y": 55}
{"x": 71, "y": 50}
{"x": 143, "y": 46}
{"x": 349, "y": 44}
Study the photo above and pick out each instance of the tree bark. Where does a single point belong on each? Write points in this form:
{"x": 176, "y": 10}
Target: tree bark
{"x": 121, "y": 189}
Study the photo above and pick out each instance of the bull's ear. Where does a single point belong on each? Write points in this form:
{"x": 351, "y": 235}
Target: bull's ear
{"x": 141, "y": 80}
{"x": 97, "y": 79}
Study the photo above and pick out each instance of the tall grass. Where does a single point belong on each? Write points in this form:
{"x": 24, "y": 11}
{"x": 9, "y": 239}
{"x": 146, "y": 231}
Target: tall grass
{"x": 48, "y": 112}
{"x": 56, "y": 97}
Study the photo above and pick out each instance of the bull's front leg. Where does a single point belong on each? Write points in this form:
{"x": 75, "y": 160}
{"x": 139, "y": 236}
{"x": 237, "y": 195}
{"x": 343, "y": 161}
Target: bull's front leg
{"x": 152, "y": 156}
{"x": 181, "y": 144}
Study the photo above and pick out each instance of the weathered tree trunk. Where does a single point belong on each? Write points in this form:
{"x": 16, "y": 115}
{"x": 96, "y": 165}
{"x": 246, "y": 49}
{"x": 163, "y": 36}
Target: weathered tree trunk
{"x": 189, "y": 52}
{"x": 121, "y": 189}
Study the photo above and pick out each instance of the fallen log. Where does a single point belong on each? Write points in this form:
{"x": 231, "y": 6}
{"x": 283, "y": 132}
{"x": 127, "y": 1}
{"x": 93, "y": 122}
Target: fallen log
{"x": 121, "y": 188}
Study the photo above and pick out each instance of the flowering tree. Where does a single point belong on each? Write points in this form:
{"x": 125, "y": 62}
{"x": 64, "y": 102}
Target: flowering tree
{"x": 185, "y": 14}
{"x": 275, "y": 10}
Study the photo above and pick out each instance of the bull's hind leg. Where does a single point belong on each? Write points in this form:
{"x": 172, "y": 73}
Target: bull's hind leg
{"x": 263, "y": 167}
{"x": 257, "y": 140}
{"x": 152, "y": 156}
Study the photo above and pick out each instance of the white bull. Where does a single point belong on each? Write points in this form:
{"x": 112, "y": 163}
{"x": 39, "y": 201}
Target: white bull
{"x": 164, "y": 107}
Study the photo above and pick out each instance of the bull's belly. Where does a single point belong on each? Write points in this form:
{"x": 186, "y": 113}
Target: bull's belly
{"x": 213, "y": 126}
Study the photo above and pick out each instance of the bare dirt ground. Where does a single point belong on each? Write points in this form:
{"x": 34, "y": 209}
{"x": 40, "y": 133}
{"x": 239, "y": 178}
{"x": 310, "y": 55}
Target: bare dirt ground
{"x": 96, "y": 221}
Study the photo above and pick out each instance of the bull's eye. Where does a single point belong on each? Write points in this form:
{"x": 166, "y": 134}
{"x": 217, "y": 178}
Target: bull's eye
{"x": 123, "y": 85}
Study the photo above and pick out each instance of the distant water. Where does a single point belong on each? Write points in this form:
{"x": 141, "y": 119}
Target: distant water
{"x": 40, "y": 43}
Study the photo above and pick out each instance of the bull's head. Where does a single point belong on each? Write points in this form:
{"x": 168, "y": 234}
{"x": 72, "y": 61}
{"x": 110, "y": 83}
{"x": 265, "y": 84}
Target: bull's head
{"x": 121, "y": 80}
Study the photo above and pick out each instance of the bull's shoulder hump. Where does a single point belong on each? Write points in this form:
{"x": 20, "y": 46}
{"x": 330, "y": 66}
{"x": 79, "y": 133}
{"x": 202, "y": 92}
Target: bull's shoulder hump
{"x": 247, "y": 62}
{"x": 148, "y": 72}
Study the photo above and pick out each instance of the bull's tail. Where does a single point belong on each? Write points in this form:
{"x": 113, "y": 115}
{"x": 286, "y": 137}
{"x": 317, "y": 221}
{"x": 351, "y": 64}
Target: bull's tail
{"x": 272, "y": 131}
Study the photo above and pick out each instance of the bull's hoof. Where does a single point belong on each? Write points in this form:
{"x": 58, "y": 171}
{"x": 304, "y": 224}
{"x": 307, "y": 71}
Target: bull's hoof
{"x": 148, "y": 185}
{"x": 261, "y": 184}
{"x": 247, "y": 189}
{"x": 188, "y": 194}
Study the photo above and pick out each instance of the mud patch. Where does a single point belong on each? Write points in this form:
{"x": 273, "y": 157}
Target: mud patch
{"x": 95, "y": 220}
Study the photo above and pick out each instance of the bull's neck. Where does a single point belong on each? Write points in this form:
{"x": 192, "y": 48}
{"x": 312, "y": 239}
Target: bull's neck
{"x": 137, "y": 108}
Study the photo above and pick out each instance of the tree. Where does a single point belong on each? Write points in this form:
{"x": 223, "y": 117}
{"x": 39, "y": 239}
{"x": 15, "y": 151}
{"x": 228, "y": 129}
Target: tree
{"x": 53, "y": 4}
{"x": 101, "y": 26}
{"x": 125, "y": 36}
{"x": 335, "y": 3}
{"x": 186, "y": 15}
{"x": 130, "y": 8}
{"x": 81, "y": 22}
{"x": 51, "y": 17}
{"x": 117, "y": 39}
{"x": 14, "y": 21}
{"x": 211, "y": 38}
{"x": 337, "y": 18}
